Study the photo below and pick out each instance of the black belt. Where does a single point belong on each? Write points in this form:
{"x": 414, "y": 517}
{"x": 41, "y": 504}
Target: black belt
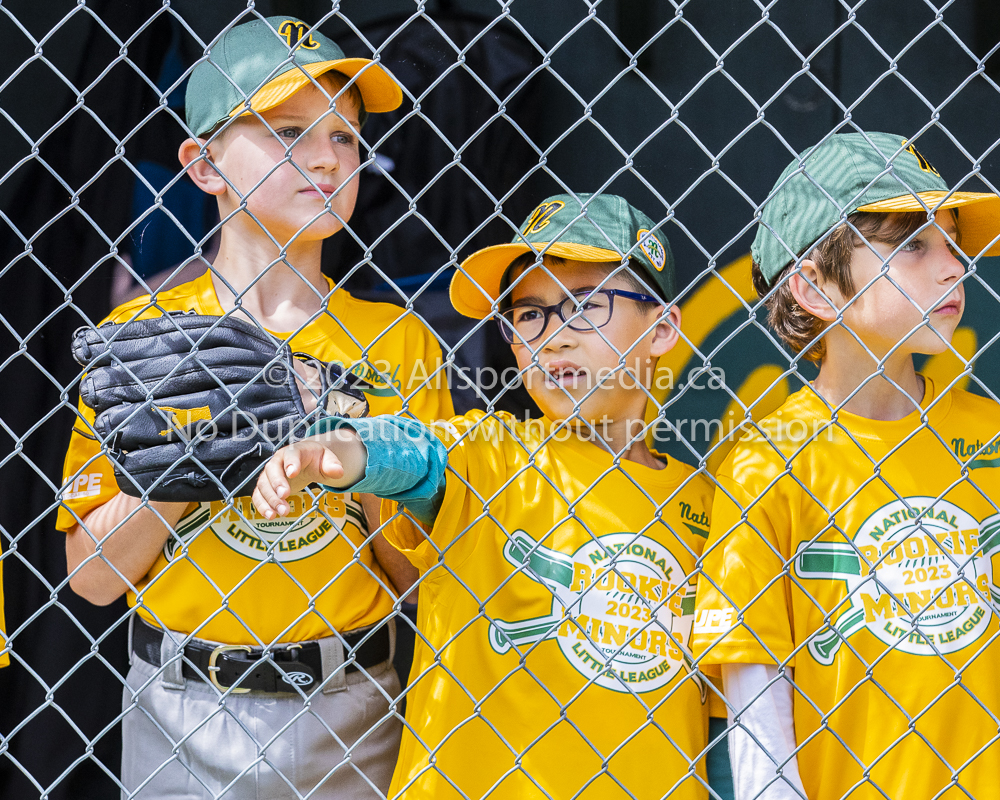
{"x": 287, "y": 665}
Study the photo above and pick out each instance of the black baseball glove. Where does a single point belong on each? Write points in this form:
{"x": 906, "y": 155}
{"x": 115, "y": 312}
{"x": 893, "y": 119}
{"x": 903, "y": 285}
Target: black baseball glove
{"x": 191, "y": 407}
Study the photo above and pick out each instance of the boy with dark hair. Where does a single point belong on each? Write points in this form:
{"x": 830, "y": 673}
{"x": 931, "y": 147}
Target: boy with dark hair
{"x": 847, "y": 590}
{"x": 230, "y": 607}
{"x": 556, "y": 554}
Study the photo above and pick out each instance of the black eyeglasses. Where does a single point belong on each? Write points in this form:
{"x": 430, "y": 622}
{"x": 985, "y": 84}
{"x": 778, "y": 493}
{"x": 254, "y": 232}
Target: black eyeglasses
{"x": 584, "y": 311}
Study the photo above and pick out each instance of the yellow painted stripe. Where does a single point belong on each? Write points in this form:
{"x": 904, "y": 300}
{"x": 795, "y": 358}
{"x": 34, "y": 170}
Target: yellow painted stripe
{"x": 701, "y": 313}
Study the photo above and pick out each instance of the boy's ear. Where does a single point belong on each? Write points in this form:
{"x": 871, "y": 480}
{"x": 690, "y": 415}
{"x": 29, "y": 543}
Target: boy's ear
{"x": 199, "y": 167}
{"x": 666, "y": 332}
{"x": 805, "y": 284}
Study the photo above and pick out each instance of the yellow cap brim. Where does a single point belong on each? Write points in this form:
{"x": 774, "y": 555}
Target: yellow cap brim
{"x": 475, "y": 287}
{"x": 377, "y": 86}
{"x": 978, "y": 223}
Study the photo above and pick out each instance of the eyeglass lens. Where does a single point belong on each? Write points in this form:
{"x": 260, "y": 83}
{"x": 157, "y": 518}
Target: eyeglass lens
{"x": 583, "y": 312}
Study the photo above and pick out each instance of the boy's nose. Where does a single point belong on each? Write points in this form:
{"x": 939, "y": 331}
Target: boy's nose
{"x": 319, "y": 153}
{"x": 557, "y": 334}
{"x": 952, "y": 266}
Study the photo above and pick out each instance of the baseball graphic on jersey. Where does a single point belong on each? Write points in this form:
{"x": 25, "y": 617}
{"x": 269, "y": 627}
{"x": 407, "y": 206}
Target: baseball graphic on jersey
{"x": 621, "y": 609}
{"x": 919, "y": 577}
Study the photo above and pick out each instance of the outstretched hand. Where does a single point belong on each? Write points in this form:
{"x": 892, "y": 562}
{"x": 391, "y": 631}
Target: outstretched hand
{"x": 290, "y": 470}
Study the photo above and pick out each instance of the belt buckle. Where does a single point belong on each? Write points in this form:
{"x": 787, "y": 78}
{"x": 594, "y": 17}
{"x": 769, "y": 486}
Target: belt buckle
{"x": 213, "y": 669}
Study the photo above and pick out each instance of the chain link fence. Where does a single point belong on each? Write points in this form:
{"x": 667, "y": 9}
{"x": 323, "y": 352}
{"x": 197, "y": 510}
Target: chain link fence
{"x": 542, "y": 620}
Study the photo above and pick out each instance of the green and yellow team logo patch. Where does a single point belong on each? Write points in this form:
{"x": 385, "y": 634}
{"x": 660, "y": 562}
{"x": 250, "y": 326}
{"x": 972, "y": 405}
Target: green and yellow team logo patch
{"x": 381, "y": 380}
{"x": 653, "y": 249}
{"x": 541, "y": 216}
{"x": 919, "y": 578}
{"x": 622, "y": 609}
{"x": 296, "y": 34}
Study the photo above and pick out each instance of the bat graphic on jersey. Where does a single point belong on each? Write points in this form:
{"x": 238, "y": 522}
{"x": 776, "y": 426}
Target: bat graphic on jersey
{"x": 554, "y": 570}
{"x": 843, "y": 561}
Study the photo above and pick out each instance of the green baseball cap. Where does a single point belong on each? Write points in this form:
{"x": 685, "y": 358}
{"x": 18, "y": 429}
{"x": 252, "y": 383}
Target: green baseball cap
{"x": 269, "y": 60}
{"x": 583, "y": 227}
{"x": 850, "y": 172}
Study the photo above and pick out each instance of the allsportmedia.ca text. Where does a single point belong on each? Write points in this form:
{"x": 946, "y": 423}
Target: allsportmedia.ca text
{"x": 484, "y": 380}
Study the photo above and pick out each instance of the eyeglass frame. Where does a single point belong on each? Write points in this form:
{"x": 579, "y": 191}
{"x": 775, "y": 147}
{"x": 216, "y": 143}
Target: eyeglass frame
{"x": 548, "y": 311}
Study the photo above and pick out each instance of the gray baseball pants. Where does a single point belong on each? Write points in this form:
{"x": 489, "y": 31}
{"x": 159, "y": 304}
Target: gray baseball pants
{"x": 183, "y": 741}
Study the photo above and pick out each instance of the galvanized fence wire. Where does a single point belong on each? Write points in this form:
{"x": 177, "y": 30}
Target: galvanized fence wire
{"x": 669, "y": 614}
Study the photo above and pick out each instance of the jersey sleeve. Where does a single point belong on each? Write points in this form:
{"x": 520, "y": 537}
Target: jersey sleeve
{"x": 743, "y": 608}
{"x": 475, "y": 469}
{"x": 402, "y": 529}
{"x": 88, "y": 479}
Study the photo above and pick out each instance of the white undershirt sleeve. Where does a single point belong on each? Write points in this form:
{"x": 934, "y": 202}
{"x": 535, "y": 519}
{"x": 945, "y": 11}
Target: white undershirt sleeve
{"x": 761, "y": 743}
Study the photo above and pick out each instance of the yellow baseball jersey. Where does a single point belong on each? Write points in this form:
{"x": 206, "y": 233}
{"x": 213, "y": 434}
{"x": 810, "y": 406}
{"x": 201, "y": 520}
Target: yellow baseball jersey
{"x": 214, "y": 577}
{"x": 556, "y": 604}
{"x": 5, "y": 658}
{"x": 861, "y": 554}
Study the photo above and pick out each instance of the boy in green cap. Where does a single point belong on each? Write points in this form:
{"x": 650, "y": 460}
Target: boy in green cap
{"x": 222, "y": 595}
{"x": 847, "y": 590}
{"x": 557, "y": 555}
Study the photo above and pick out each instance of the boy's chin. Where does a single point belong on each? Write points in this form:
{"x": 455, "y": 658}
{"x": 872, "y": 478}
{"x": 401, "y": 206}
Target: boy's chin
{"x": 322, "y": 228}
{"x": 933, "y": 343}
{"x": 595, "y": 410}
{"x": 289, "y": 232}
{"x": 556, "y": 408}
